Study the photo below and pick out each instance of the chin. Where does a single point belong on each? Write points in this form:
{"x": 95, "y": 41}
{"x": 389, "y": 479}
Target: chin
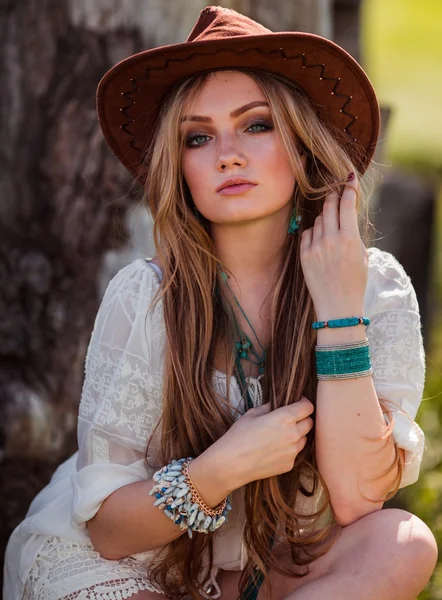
{"x": 238, "y": 219}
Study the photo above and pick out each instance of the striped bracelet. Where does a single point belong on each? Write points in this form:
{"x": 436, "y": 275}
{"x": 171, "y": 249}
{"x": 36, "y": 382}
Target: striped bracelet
{"x": 343, "y": 361}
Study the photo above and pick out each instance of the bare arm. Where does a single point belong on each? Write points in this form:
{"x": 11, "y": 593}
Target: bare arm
{"x": 128, "y": 522}
{"x": 259, "y": 444}
{"x": 347, "y": 411}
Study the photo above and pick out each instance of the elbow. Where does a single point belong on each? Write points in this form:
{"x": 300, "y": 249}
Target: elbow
{"x": 108, "y": 546}
{"x": 347, "y": 515}
{"x": 101, "y": 543}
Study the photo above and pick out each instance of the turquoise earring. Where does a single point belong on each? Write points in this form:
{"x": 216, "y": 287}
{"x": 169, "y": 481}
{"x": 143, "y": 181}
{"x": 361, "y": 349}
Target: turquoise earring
{"x": 295, "y": 221}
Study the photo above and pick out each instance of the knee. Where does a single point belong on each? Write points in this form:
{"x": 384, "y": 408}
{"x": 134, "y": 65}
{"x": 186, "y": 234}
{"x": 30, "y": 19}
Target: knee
{"x": 414, "y": 543}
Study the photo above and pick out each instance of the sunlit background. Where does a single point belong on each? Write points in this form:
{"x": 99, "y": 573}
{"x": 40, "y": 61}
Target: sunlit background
{"x": 402, "y": 47}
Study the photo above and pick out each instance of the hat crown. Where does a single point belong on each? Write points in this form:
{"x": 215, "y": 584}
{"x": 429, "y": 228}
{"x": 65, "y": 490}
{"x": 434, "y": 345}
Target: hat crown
{"x": 217, "y": 22}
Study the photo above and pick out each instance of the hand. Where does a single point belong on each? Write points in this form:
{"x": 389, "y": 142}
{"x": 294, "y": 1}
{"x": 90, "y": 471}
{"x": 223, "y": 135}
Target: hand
{"x": 262, "y": 443}
{"x": 334, "y": 259}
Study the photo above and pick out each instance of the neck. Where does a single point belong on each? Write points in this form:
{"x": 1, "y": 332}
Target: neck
{"x": 252, "y": 251}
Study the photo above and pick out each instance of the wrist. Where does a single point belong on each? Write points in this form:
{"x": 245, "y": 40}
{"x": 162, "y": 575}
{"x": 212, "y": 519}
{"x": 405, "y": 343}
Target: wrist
{"x": 211, "y": 478}
{"x": 328, "y": 313}
{"x": 341, "y": 335}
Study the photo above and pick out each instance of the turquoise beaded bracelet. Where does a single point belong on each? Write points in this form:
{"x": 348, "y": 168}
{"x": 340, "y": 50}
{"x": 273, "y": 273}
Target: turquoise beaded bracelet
{"x": 343, "y": 361}
{"x": 350, "y": 322}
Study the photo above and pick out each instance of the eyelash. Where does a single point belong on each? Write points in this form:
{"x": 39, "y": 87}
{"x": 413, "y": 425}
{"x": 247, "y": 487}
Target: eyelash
{"x": 191, "y": 138}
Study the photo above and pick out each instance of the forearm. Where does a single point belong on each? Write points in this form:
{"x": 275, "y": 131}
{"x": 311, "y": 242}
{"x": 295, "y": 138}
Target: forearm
{"x": 128, "y": 522}
{"x": 351, "y": 457}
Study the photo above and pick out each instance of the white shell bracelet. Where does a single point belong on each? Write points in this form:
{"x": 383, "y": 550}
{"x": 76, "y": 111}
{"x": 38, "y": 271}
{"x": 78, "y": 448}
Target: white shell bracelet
{"x": 177, "y": 496}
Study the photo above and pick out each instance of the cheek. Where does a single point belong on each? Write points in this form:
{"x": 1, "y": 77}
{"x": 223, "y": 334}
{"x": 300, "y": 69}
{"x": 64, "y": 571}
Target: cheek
{"x": 279, "y": 167}
{"x": 269, "y": 154}
{"x": 193, "y": 169}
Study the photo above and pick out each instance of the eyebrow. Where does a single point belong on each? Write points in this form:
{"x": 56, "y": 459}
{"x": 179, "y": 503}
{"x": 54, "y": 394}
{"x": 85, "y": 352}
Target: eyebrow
{"x": 235, "y": 113}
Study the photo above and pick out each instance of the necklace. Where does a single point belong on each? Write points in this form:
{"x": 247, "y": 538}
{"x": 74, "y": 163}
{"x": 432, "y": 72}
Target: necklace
{"x": 245, "y": 349}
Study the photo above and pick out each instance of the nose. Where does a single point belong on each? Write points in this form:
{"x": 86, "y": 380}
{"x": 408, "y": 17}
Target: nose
{"x": 230, "y": 155}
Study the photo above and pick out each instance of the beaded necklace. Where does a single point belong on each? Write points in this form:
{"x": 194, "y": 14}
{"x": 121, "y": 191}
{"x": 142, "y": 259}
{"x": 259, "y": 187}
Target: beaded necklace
{"x": 244, "y": 347}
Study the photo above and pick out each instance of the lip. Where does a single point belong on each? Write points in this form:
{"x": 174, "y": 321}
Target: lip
{"x": 236, "y": 181}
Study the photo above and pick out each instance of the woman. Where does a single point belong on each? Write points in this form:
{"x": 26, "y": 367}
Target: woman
{"x": 220, "y": 349}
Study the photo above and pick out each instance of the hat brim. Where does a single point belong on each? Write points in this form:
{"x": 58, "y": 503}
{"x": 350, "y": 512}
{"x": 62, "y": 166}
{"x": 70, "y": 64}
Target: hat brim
{"x": 131, "y": 93}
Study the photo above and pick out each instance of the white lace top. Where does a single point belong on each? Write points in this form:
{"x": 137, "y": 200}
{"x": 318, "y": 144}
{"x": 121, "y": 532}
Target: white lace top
{"x": 50, "y": 556}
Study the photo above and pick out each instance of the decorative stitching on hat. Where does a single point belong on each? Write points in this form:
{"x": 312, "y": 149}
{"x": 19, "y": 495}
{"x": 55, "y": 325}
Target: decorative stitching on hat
{"x": 322, "y": 77}
{"x": 124, "y": 109}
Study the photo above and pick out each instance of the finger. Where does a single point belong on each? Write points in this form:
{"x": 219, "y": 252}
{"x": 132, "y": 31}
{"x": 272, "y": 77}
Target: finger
{"x": 306, "y": 239}
{"x": 302, "y": 409}
{"x": 330, "y": 213}
{"x": 348, "y": 216}
{"x": 301, "y": 443}
{"x": 259, "y": 410}
{"x": 305, "y": 426}
{"x": 317, "y": 230}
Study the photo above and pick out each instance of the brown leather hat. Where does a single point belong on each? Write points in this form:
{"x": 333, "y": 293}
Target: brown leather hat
{"x": 131, "y": 93}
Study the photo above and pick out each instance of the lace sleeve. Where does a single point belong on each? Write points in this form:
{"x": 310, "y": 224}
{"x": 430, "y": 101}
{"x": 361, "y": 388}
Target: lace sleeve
{"x": 121, "y": 397}
{"x": 397, "y": 353}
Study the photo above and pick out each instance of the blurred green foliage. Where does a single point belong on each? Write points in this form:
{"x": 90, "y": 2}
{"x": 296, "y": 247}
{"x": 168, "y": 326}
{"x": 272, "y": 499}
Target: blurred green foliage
{"x": 425, "y": 497}
{"x": 402, "y": 53}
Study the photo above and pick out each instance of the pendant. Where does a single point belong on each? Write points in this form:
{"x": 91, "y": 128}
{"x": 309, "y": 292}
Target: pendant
{"x": 243, "y": 346}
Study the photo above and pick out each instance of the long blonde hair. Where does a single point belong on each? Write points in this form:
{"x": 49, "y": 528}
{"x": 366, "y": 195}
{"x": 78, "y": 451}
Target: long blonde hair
{"x": 194, "y": 416}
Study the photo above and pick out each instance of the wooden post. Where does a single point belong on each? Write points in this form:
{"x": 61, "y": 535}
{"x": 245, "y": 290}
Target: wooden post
{"x": 314, "y": 16}
{"x": 346, "y": 26}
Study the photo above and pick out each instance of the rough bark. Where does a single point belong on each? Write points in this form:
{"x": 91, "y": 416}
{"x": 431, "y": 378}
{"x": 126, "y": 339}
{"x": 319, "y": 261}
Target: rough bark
{"x": 57, "y": 179}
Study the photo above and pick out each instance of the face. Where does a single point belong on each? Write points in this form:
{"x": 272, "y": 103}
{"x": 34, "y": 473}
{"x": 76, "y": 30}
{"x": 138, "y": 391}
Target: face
{"x": 229, "y": 135}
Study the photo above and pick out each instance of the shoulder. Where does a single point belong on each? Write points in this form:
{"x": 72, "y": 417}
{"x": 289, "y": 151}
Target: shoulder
{"x": 383, "y": 266}
{"x": 156, "y": 261}
{"x": 132, "y": 287}
{"x": 388, "y": 284}
{"x": 138, "y": 274}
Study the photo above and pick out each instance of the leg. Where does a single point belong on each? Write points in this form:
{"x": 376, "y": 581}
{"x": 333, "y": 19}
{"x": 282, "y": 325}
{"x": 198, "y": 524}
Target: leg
{"x": 387, "y": 554}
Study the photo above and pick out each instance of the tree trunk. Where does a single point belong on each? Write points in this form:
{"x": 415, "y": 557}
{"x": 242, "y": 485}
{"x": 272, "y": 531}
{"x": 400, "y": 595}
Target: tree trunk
{"x": 64, "y": 204}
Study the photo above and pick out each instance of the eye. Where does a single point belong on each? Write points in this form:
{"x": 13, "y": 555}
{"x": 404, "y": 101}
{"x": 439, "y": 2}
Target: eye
{"x": 259, "y": 127}
{"x": 196, "y": 140}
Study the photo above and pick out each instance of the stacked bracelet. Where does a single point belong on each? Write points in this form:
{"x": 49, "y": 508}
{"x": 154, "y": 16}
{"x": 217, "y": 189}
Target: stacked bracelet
{"x": 343, "y": 361}
{"x": 178, "y": 497}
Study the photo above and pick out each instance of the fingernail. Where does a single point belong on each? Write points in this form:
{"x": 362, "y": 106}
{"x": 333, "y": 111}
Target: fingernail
{"x": 351, "y": 176}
